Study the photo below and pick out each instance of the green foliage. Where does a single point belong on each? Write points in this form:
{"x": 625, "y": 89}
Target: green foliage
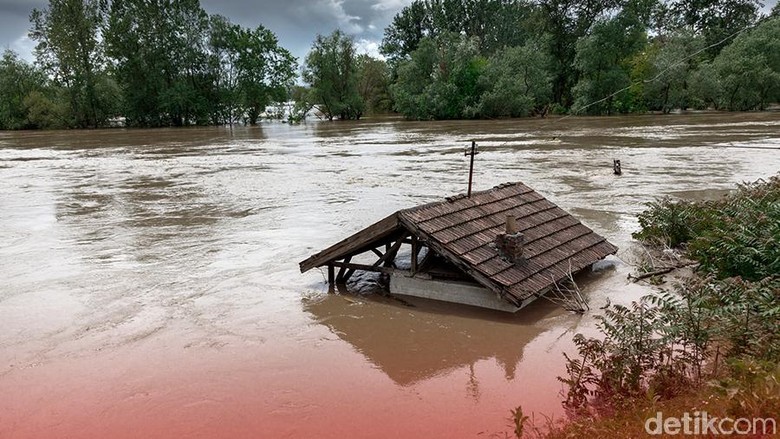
{"x": 441, "y": 79}
{"x": 168, "y": 63}
{"x": 749, "y": 68}
{"x": 331, "y": 70}
{"x": 494, "y": 25}
{"x": 738, "y": 235}
{"x": 753, "y": 387}
{"x": 665, "y": 344}
{"x": 714, "y": 20}
{"x": 602, "y": 60}
{"x": 670, "y": 72}
{"x": 68, "y": 48}
{"x": 374, "y": 84}
{"x": 43, "y": 111}
{"x": 670, "y": 223}
{"x": 447, "y": 78}
{"x": 17, "y": 80}
{"x": 669, "y": 342}
{"x": 516, "y": 82}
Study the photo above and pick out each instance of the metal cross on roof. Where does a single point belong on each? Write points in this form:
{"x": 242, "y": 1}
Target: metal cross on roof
{"x": 471, "y": 153}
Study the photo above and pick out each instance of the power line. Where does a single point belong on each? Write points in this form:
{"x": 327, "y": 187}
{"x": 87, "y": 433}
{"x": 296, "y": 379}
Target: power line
{"x": 575, "y": 112}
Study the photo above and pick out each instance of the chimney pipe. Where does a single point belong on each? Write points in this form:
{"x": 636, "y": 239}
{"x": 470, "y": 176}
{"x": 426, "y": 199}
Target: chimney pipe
{"x": 511, "y": 225}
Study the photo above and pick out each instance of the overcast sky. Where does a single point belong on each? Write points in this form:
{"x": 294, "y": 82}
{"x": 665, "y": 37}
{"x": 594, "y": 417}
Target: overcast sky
{"x": 295, "y": 22}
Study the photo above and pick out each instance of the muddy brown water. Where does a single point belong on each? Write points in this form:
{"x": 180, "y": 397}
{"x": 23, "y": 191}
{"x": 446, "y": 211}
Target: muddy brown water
{"x": 149, "y": 285}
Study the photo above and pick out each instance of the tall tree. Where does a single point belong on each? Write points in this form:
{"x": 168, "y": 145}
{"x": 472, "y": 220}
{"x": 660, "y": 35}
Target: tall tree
{"x": 566, "y": 21}
{"x": 715, "y": 20}
{"x": 749, "y": 69}
{"x": 159, "y": 51}
{"x": 331, "y": 72}
{"x": 18, "y": 79}
{"x": 516, "y": 82}
{"x": 68, "y": 48}
{"x": 494, "y": 24}
{"x": 602, "y": 61}
{"x": 373, "y": 84}
{"x": 441, "y": 80}
{"x": 667, "y": 81}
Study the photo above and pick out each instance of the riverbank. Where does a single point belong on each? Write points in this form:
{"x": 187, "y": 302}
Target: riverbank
{"x": 706, "y": 348}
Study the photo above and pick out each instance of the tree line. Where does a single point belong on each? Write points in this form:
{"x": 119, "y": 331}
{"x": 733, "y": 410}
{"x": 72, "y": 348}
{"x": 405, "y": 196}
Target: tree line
{"x": 152, "y": 63}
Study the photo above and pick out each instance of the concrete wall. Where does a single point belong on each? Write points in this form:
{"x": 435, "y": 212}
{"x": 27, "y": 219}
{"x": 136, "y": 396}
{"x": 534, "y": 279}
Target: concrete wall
{"x": 448, "y": 291}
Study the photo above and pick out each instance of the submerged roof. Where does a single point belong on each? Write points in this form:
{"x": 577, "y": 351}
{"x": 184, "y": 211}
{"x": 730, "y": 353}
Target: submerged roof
{"x": 463, "y": 230}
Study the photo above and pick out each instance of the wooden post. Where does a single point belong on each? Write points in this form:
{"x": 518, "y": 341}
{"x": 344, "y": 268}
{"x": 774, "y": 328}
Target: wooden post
{"x": 471, "y": 164}
{"x": 331, "y": 274}
{"x": 415, "y": 249}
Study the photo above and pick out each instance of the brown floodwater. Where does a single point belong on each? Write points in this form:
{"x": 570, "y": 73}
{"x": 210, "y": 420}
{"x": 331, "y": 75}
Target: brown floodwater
{"x": 149, "y": 283}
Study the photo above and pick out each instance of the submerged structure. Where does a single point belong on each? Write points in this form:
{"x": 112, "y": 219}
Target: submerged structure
{"x": 500, "y": 249}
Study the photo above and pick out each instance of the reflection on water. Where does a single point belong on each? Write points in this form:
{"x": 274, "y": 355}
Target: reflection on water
{"x": 154, "y": 274}
{"x": 411, "y": 344}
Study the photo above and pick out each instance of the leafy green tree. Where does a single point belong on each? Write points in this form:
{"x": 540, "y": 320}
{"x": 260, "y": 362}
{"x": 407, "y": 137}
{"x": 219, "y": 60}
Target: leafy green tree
{"x": 331, "y": 70}
{"x": 602, "y": 60}
{"x": 705, "y": 87}
{"x": 565, "y": 22}
{"x": 267, "y": 71}
{"x": 516, "y": 82}
{"x": 373, "y": 84}
{"x": 17, "y": 80}
{"x": 715, "y": 20}
{"x": 159, "y": 51}
{"x": 669, "y": 78}
{"x": 494, "y": 23}
{"x": 749, "y": 68}
{"x": 441, "y": 80}
{"x": 44, "y": 111}
{"x": 68, "y": 48}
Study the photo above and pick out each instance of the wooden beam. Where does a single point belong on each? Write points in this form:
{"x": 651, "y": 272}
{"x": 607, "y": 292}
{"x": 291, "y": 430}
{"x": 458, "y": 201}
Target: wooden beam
{"x": 390, "y": 252}
{"x": 363, "y": 267}
{"x": 340, "y": 278}
{"x": 389, "y": 257}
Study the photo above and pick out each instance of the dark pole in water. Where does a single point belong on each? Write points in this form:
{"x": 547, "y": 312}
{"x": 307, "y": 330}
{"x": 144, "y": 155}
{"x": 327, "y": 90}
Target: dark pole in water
{"x": 471, "y": 165}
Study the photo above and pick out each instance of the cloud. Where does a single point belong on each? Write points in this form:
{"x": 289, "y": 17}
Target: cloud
{"x": 368, "y": 47}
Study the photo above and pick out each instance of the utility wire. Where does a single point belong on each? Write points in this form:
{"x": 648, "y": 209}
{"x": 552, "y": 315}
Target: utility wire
{"x": 574, "y": 112}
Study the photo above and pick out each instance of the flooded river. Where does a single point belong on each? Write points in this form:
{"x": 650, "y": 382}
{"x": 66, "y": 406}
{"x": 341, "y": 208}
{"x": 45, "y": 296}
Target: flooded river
{"x": 149, "y": 282}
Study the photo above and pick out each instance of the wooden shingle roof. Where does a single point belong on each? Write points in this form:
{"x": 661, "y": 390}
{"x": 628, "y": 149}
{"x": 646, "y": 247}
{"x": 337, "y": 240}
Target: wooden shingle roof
{"x": 463, "y": 230}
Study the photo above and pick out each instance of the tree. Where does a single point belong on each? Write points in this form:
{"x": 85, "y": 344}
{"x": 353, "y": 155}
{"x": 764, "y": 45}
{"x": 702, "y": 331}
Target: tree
{"x": 516, "y": 82}
{"x": 602, "y": 60}
{"x": 671, "y": 67}
{"x": 331, "y": 72}
{"x": 494, "y": 23}
{"x": 715, "y": 20}
{"x": 18, "y": 79}
{"x": 267, "y": 71}
{"x": 373, "y": 84}
{"x": 441, "y": 79}
{"x": 68, "y": 48}
{"x": 749, "y": 68}
{"x": 566, "y": 21}
{"x": 159, "y": 51}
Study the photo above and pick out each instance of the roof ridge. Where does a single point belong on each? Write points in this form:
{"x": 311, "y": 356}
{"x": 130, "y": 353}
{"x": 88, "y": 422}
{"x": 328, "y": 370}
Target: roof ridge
{"x": 460, "y": 196}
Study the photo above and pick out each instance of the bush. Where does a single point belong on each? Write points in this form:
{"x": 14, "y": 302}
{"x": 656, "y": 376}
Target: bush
{"x": 738, "y": 235}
